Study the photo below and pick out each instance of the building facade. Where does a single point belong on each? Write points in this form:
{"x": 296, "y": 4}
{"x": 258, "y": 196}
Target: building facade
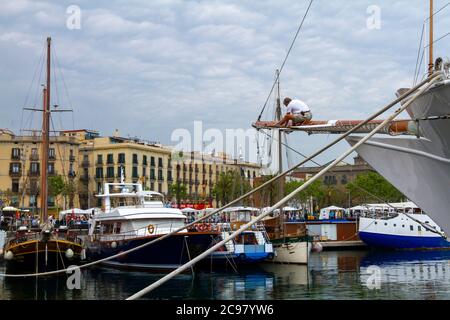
{"x": 339, "y": 176}
{"x": 157, "y": 167}
{"x": 88, "y": 160}
{"x": 20, "y": 168}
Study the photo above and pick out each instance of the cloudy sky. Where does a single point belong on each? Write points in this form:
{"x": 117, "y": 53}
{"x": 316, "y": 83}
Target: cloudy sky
{"x": 148, "y": 67}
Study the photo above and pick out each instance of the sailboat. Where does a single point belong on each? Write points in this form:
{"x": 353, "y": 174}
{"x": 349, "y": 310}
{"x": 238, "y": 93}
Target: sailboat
{"x": 45, "y": 249}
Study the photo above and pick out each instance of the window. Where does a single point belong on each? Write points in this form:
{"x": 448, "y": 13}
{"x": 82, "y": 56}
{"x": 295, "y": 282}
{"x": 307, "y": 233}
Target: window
{"x": 419, "y": 228}
{"x": 51, "y": 153}
{"x": 15, "y": 186}
{"x": 99, "y": 187}
{"x": 135, "y": 172}
{"x": 160, "y": 187}
{"x": 99, "y": 159}
{"x": 135, "y": 158}
{"x": 99, "y": 173}
{"x": 34, "y": 167}
{"x": 160, "y": 162}
{"x": 152, "y": 161}
{"x": 110, "y": 172}
{"x": 160, "y": 175}
{"x": 15, "y": 167}
{"x": 32, "y": 200}
{"x": 152, "y": 186}
{"x": 411, "y": 228}
{"x": 121, "y": 158}
{"x": 15, "y": 154}
{"x": 144, "y": 171}
{"x": 51, "y": 168}
{"x": 144, "y": 160}
{"x": 110, "y": 159}
{"x": 71, "y": 172}
{"x": 152, "y": 174}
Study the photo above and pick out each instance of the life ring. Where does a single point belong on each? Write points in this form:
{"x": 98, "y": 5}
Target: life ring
{"x": 203, "y": 227}
{"x": 151, "y": 228}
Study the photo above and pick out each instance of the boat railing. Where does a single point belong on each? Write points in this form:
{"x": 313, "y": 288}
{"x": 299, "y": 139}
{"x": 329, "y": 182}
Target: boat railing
{"x": 150, "y": 230}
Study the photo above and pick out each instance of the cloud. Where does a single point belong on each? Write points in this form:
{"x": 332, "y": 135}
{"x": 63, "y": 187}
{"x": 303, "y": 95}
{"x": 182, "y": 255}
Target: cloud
{"x": 149, "y": 67}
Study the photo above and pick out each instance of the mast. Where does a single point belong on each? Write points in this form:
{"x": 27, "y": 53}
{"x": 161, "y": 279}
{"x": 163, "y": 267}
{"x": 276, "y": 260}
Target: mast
{"x": 280, "y": 147}
{"x": 280, "y": 159}
{"x": 430, "y": 54}
{"x": 45, "y": 140}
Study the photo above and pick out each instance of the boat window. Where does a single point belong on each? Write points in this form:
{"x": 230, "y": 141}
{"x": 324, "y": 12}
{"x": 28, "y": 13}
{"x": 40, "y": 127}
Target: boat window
{"x": 411, "y": 228}
{"x": 385, "y": 223}
{"x": 395, "y": 225}
{"x": 403, "y": 225}
{"x": 117, "y": 229}
{"x": 376, "y": 222}
{"x": 419, "y": 228}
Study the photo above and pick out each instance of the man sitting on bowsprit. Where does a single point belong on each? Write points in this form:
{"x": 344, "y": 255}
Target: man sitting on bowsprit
{"x": 297, "y": 113}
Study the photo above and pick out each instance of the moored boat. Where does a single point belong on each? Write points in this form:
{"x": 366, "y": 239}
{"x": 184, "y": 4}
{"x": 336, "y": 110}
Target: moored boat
{"x": 402, "y": 231}
{"x": 133, "y": 217}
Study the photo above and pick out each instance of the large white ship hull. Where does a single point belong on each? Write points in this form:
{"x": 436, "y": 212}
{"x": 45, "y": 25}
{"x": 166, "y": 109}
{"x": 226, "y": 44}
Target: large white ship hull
{"x": 418, "y": 167}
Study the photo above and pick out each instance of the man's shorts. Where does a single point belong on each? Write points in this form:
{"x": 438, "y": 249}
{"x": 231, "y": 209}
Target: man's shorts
{"x": 302, "y": 118}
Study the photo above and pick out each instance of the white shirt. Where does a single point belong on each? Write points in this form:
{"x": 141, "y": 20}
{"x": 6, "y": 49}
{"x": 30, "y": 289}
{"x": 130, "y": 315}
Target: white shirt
{"x": 297, "y": 106}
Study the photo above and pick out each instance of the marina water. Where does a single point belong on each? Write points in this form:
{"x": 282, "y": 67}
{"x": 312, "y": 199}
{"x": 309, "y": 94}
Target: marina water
{"x": 330, "y": 275}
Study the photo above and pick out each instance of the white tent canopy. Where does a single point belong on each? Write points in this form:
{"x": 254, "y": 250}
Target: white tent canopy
{"x": 189, "y": 210}
{"x": 10, "y": 209}
{"x": 75, "y": 211}
{"x": 325, "y": 212}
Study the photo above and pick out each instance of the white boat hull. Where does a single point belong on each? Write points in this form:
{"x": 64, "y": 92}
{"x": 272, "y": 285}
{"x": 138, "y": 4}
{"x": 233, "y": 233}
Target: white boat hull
{"x": 295, "y": 252}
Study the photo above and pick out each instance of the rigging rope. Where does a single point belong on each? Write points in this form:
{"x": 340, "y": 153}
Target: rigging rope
{"x": 285, "y": 59}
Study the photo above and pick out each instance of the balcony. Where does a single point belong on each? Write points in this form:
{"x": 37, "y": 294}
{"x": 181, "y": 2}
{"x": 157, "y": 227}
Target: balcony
{"x": 52, "y": 173}
{"x": 15, "y": 156}
{"x": 99, "y": 163}
{"x": 160, "y": 178}
{"x": 34, "y": 157}
{"x": 71, "y": 158}
{"x": 85, "y": 163}
{"x": 13, "y": 173}
{"x": 51, "y": 157}
{"x": 34, "y": 173}
{"x": 99, "y": 176}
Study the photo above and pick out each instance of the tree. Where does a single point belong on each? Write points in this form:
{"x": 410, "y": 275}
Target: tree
{"x": 179, "y": 191}
{"x": 316, "y": 190}
{"x": 68, "y": 189}
{"x": 230, "y": 186}
{"x": 372, "y": 187}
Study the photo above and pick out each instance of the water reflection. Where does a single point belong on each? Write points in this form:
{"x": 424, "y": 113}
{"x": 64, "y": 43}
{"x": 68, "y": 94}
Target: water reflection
{"x": 330, "y": 275}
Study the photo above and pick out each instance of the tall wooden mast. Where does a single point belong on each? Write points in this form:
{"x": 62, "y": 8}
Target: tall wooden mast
{"x": 45, "y": 140}
{"x": 280, "y": 136}
{"x": 430, "y": 54}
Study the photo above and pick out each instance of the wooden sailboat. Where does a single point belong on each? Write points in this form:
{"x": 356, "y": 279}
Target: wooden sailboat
{"x": 46, "y": 249}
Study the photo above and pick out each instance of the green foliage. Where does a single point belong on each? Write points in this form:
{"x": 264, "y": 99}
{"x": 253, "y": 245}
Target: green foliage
{"x": 178, "y": 190}
{"x": 56, "y": 186}
{"x": 376, "y": 185}
{"x": 230, "y": 186}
